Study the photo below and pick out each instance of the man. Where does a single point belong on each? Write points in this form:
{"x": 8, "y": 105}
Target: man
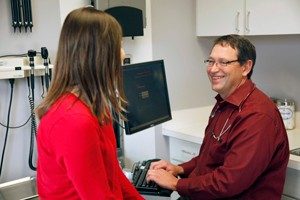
{"x": 245, "y": 150}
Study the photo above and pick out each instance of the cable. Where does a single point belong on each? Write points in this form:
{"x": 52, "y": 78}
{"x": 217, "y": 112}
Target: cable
{"x": 33, "y": 127}
{"x": 43, "y": 89}
{"x": 32, "y": 134}
{"x": 14, "y": 55}
{"x": 31, "y": 54}
{"x": 19, "y": 126}
{"x": 11, "y": 81}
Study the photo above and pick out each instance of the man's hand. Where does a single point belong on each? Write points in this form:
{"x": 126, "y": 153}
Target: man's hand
{"x": 163, "y": 178}
{"x": 175, "y": 170}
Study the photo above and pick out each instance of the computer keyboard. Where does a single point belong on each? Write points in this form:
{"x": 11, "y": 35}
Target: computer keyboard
{"x": 140, "y": 183}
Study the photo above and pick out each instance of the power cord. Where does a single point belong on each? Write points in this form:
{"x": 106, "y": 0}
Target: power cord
{"x": 14, "y": 55}
{"x": 33, "y": 127}
{"x": 43, "y": 89}
{"x": 11, "y": 81}
{"x": 18, "y": 126}
{"x": 31, "y": 55}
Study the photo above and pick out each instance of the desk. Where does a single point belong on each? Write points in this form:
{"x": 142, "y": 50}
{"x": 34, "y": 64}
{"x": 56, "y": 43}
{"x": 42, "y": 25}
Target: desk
{"x": 149, "y": 197}
{"x": 174, "y": 196}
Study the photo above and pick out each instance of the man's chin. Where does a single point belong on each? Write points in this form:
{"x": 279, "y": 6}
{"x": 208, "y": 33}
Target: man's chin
{"x": 216, "y": 88}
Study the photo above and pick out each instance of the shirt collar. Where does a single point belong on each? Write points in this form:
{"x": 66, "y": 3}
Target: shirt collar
{"x": 239, "y": 95}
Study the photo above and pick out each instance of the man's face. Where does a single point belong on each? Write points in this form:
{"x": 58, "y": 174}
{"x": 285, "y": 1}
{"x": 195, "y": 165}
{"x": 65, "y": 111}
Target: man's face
{"x": 225, "y": 78}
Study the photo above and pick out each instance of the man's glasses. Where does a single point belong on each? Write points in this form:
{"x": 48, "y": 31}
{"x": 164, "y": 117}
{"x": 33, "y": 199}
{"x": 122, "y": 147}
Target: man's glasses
{"x": 210, "y": 63}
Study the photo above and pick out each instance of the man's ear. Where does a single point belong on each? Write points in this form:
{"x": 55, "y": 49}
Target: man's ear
{"x": 247, "y": 66}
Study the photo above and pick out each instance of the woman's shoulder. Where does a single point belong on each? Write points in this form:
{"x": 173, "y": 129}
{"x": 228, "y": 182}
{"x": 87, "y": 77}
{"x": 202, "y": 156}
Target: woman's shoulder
{"x": 69, "y": 108}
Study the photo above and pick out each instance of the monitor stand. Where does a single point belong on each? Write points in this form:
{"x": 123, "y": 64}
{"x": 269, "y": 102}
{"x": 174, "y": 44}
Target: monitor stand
{"x": 120, "y": 154}
{"x": 119, "y": 131}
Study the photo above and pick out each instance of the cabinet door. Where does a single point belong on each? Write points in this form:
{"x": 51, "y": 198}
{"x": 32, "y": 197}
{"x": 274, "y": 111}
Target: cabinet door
{"x": 272, "y": 17}
{"x": 182, "y": 151}
{"x": 215, "y": 17}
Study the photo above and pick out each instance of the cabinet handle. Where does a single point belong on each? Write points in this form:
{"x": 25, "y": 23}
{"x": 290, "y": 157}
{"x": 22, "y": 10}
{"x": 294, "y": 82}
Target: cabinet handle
{"x": 247, "y": 22}
{"x": 189, "y": 153}
{"x": 177, "y": 160}
{"x": 237, "y": 24}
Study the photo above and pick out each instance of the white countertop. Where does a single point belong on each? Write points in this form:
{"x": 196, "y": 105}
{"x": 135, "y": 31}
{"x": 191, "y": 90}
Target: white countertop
{"x": 190, "y": 124}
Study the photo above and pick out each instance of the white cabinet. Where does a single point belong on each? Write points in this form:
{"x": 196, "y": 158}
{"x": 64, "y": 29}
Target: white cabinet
{"x": 247, "y": 17}
{"x": 182, "y": 151}
{"x": 217, "y": 17}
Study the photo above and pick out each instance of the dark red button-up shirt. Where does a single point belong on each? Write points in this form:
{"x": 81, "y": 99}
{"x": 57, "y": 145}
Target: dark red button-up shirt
{"x": 249, "y": 159}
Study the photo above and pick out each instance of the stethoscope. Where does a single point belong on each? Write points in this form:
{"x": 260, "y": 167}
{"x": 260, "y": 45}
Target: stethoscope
{"x": 225, "y": 126}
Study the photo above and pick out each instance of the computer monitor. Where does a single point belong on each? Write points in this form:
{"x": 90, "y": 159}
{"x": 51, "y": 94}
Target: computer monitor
{"x": 146, "y": 90}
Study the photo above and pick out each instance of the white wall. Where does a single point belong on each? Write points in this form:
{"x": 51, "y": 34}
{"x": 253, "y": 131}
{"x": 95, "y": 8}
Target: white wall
{"x": 68, "y": 5}
{"x": 174, "y": 39}
{"x": 45, "y": 33}
{"x": 278, "y": 66}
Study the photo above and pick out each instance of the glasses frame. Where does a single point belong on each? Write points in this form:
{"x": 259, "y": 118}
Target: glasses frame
{"x": 211, "y": 63}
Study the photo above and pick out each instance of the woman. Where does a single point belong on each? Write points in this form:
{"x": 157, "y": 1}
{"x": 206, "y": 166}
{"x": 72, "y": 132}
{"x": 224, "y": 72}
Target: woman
{"x": 77, "y": 156}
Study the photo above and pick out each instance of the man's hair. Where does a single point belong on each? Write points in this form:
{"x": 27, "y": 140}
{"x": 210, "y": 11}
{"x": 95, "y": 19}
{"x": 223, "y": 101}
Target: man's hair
{"x": 245, "y": 49}
{"x": 89, "y": 62}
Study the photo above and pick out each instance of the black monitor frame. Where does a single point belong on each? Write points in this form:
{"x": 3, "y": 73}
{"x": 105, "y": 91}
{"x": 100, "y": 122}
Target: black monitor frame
{"x": 150, "y": 85}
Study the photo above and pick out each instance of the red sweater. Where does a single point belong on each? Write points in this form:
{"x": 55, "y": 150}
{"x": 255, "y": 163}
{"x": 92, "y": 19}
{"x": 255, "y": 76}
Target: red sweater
{"x": 77, "y": 157}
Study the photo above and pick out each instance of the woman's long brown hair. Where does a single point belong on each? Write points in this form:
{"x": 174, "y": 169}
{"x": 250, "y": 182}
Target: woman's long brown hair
{"x": 89, "y": 62}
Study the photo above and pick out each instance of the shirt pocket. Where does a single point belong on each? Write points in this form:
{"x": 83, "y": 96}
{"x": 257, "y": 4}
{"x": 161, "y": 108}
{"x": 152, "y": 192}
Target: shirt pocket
{"x": 218, "y": 150}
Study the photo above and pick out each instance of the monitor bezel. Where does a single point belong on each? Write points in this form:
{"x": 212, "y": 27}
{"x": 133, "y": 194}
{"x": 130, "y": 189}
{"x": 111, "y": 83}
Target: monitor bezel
{"x": 132, "y": 130}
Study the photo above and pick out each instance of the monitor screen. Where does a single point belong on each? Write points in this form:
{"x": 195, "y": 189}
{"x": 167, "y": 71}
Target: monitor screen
{"x": 146, "y": 90}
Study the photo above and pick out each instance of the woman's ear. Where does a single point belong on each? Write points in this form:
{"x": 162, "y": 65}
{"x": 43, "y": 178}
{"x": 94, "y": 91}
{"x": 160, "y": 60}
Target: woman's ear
{"x": 247, "y": 67}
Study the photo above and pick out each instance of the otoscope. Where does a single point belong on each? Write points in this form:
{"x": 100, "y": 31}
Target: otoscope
{"x": 31, "y": 54}
{"x": 44, "y": 53}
